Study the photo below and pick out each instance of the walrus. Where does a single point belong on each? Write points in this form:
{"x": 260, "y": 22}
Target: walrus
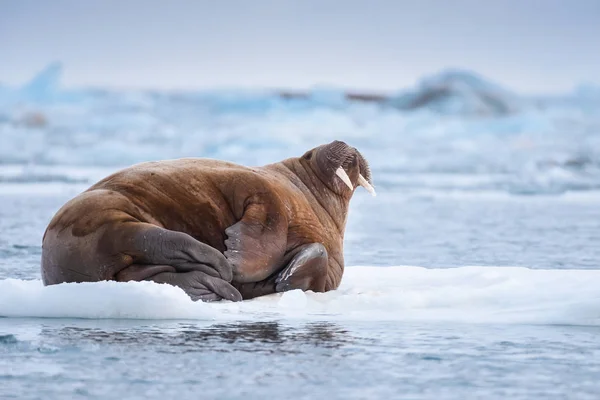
{"x": 215, "y": 229}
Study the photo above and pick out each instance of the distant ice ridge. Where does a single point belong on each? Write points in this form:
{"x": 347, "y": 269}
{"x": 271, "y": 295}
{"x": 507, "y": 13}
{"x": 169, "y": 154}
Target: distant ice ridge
{"x": 460, "y": 92}
{"x": 458, "y": 295}
{"x": 455, "y": 122}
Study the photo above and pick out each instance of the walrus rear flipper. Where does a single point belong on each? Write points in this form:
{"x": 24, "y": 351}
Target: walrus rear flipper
{"x": 175, "y": 258}
{"x": 196, "y": 284}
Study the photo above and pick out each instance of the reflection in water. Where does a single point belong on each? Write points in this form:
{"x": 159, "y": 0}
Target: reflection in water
{"x": 271, "y": 337}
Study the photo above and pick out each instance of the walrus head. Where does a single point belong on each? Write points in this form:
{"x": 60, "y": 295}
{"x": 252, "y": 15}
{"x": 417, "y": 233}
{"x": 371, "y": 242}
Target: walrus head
{"x": 340, "y": 167}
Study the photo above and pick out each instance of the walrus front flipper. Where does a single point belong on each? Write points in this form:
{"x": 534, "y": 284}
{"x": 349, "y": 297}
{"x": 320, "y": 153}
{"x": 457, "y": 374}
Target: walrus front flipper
{"x": 306, "y": 271}
{"x": 256, "y": 244}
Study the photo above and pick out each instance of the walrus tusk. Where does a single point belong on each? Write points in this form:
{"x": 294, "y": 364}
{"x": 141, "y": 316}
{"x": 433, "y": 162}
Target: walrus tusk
{"x": 344, "y": 176}
{"x": 364, "y": 183}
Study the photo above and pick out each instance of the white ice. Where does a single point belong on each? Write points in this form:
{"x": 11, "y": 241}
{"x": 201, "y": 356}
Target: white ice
{"x": 399, "y": 294}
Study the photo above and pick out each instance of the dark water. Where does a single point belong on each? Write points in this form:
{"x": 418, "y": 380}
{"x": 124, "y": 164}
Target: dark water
{"x": 121, "y": 359}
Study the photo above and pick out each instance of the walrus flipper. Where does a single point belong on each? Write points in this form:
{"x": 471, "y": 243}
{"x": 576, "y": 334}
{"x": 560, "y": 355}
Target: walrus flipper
{"x": 176, "y": 258}
{"x": 256, "y": 244}
{"x": 200, "y": 286}
{"x": 196, "y": 284}
{"x": 153, "y": 245}
{"x": 306, "y": 271}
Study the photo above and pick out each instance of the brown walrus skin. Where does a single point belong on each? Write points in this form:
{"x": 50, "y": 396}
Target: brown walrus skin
{"x": 216, "y": 229}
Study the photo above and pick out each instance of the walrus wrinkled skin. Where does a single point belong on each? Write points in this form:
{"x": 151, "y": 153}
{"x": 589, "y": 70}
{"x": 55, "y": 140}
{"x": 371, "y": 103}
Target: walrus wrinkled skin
{"x": 216, "y": 229}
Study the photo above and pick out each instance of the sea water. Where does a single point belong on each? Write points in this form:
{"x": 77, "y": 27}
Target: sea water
{"x": 475, "y": 272}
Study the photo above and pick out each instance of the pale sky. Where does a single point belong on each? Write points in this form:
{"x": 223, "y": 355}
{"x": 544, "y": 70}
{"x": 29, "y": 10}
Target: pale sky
{"x": 531, "y": 46}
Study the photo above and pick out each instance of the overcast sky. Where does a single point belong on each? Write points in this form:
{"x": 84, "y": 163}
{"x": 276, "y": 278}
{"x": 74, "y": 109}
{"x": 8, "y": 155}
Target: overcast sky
{"x": 532, "y": 46}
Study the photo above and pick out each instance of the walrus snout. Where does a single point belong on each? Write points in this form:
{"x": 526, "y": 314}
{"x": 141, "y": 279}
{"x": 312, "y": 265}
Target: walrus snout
{"x": 338, "y": 159}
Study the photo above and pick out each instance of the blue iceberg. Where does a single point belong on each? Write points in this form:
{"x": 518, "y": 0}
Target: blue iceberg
{"x": 43, "y": 88}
